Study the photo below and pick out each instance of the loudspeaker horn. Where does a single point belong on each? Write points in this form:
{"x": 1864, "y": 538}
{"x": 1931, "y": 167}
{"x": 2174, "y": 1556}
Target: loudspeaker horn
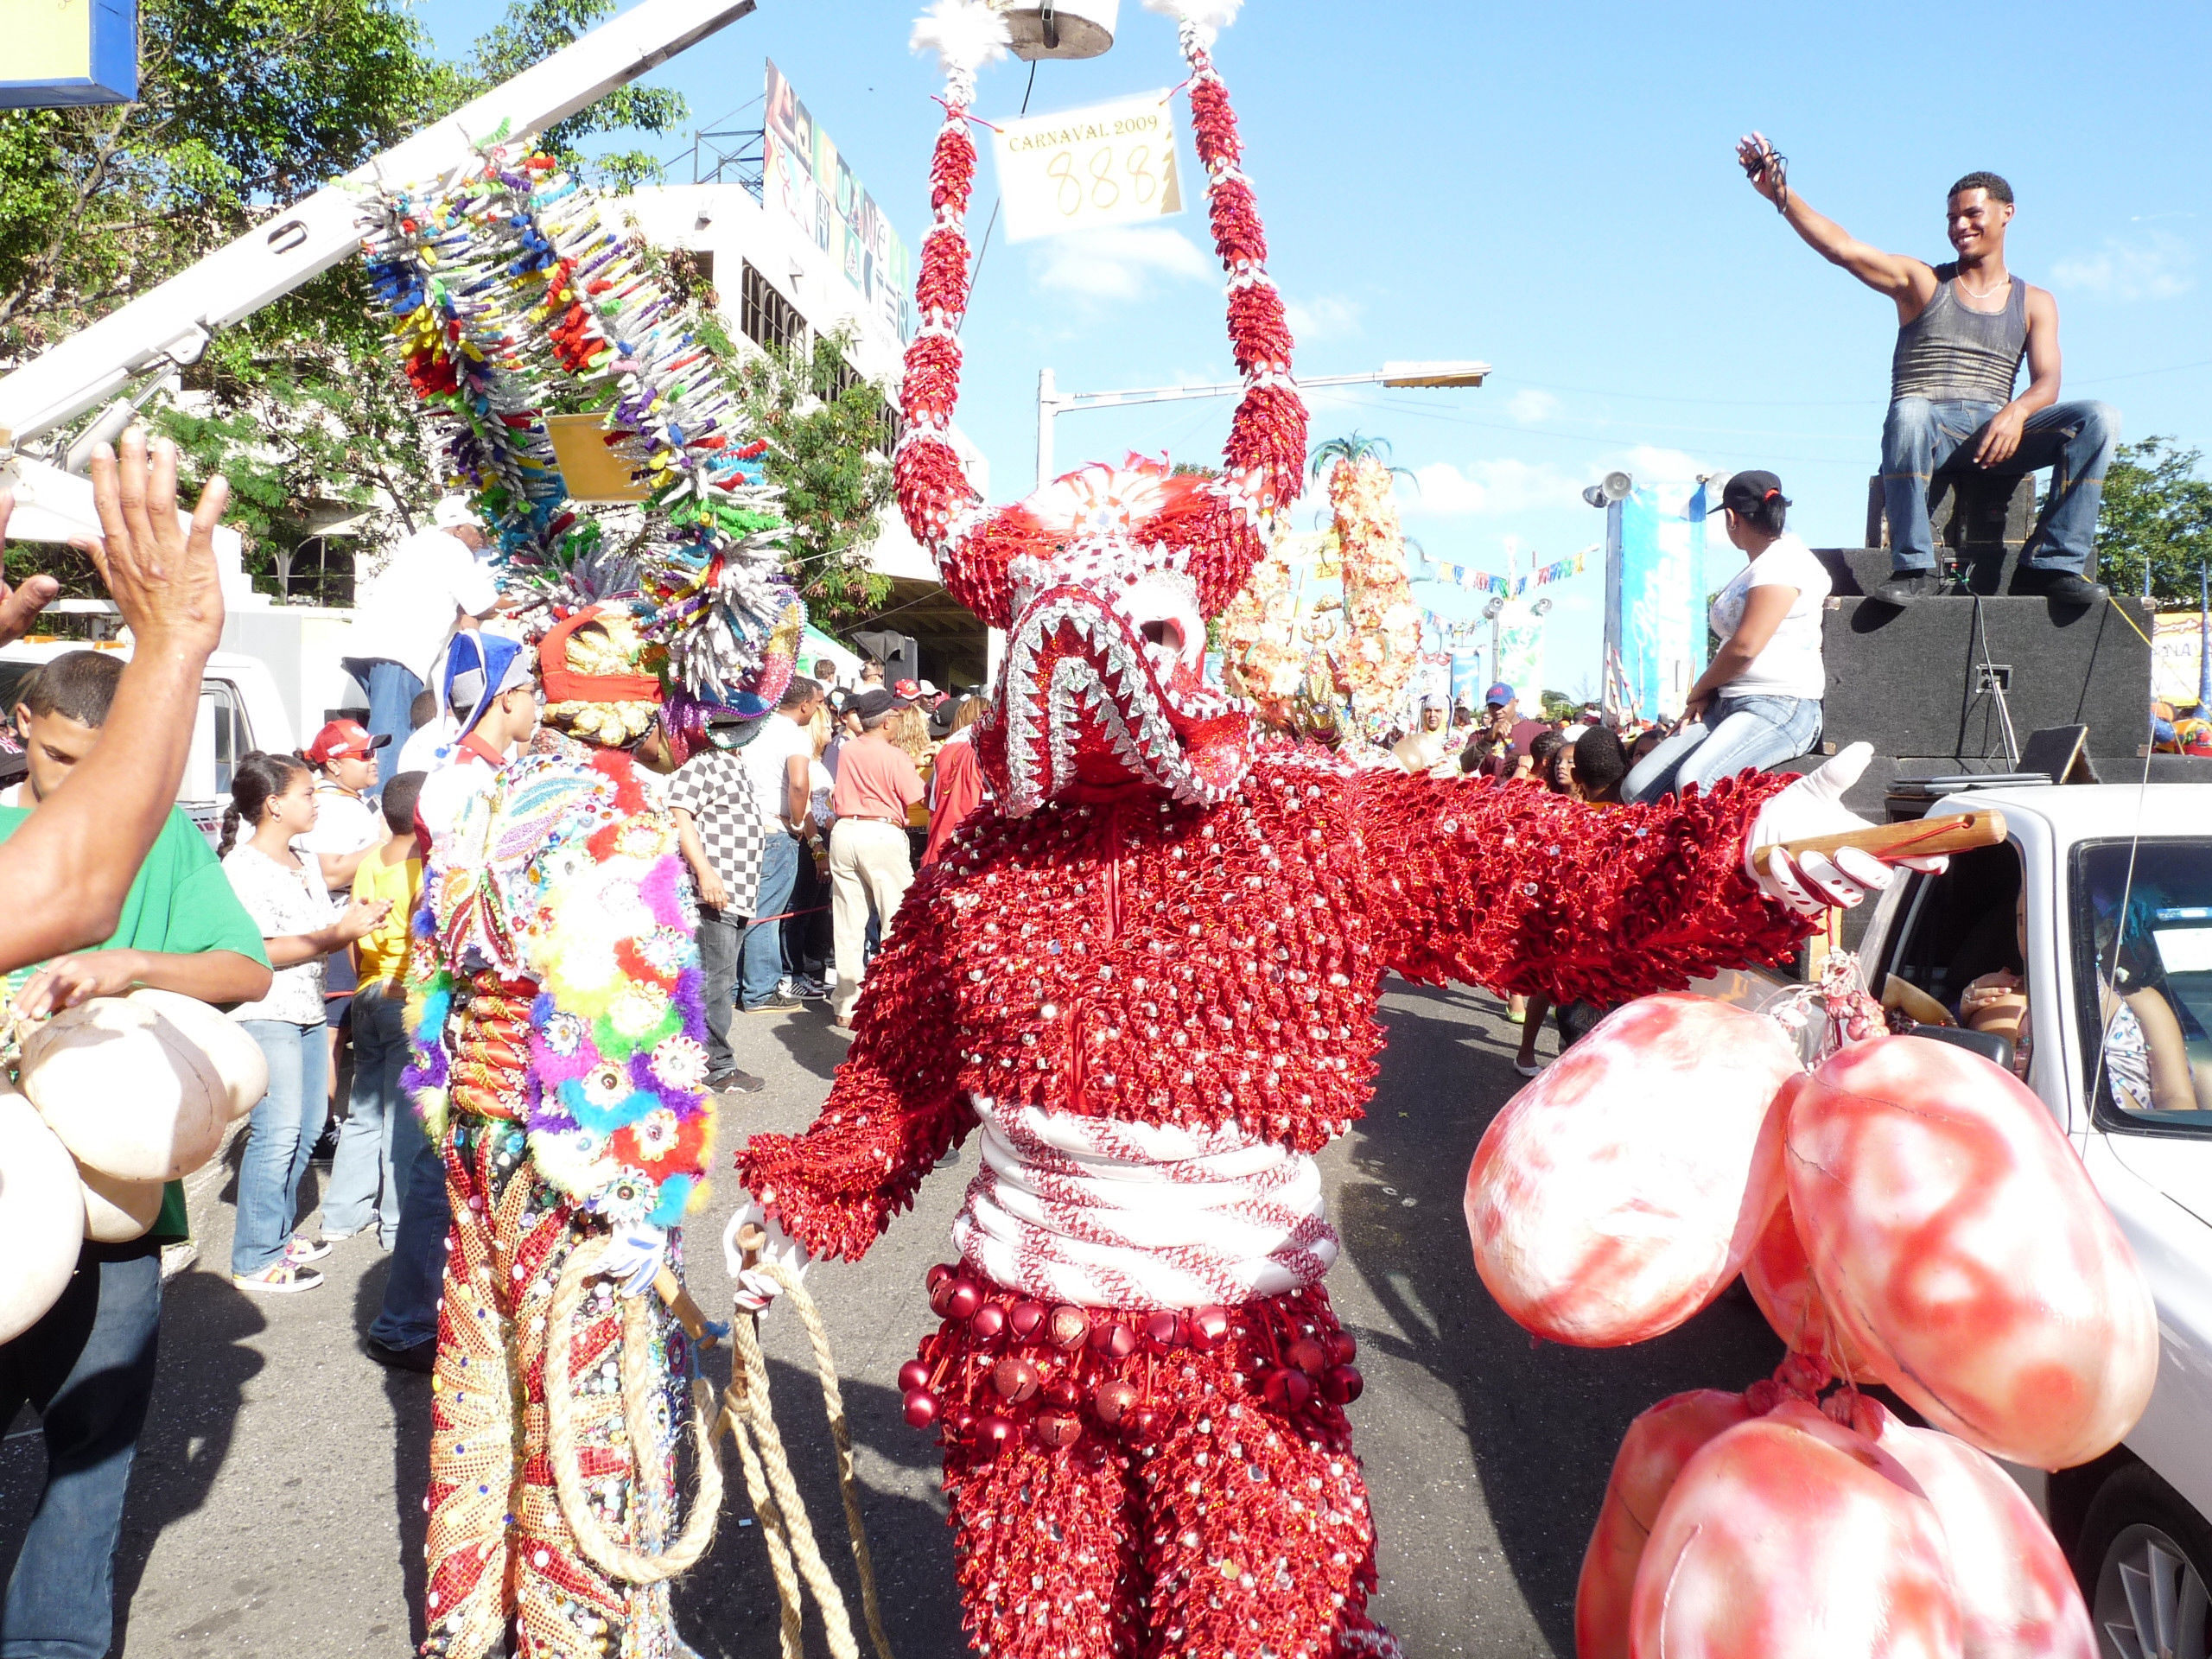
{"x": 1617, "y": 487}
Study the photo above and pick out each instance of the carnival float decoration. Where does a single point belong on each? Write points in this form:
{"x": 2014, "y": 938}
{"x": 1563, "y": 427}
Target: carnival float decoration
{"x": 1324, "y": 637}
{"x": 109, "y": 1099}
{"x": 1146, "y": 976}
{"x": 1905, "y": 1212}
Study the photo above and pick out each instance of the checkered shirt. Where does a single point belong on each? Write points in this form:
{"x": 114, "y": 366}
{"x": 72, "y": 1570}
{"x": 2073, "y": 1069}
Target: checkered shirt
{"x": 715, "y": 790}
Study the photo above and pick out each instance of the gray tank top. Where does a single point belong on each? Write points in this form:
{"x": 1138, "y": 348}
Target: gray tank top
{"x": 1950, "y": 354}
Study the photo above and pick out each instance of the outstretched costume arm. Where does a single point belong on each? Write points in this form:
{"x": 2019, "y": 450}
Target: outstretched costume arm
{"x": 1522, "y": 890}
{"x": 895, "y": 1108}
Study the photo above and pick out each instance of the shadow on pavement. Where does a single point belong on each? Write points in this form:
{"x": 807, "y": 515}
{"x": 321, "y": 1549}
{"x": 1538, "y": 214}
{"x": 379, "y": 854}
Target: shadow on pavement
{"x": 1542, "y": 1421}
{"x": 409, "y": 1395}
{"x": 199, "y": 1391}
{"x": 726, "y": 1609}
{"x": 814, "y": 1045}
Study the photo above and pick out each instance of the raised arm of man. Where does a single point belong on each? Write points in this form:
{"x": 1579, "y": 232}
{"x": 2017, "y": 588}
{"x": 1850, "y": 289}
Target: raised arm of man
{"x": 80, "y": 851}
{"x": 1909, "y": 281}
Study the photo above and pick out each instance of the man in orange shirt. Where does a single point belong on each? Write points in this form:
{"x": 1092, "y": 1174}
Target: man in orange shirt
{"x": 870, "y": 864}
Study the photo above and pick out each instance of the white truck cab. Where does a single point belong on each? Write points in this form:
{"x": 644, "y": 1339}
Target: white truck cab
{"x": 240, "y": 711}
{"x": 2116, "y": 885}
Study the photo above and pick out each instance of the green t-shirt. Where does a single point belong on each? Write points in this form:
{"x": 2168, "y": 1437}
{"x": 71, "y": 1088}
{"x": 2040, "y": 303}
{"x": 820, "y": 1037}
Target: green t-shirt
{"x": 182, "y": 904}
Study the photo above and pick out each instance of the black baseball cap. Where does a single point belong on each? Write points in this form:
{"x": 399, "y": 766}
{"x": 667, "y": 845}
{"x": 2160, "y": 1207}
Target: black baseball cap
{"x": 1746, "y": 493}
{"x": 875, "y": 701}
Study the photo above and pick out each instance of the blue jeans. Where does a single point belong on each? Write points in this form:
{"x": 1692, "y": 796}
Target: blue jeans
{"x": 87, "y": 1368}
{"x": 283, "y": 1133}
{"x": 721, "y": 936}
{"x": 409, "y": 1313}
{"x": 392, "y": 691}
{"x": 760, "y": 965}
{"x": 2075, "y": 440}
{"x": 361, "y": 1186}
{"x": 1736, "y": 733}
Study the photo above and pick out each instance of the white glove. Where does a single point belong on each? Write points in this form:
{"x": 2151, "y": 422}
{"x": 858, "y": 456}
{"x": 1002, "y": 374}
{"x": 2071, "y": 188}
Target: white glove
{"x": 635, "y": 1255}
{"x": 756, "y": 1289}
{"x": 1813, "y": 806}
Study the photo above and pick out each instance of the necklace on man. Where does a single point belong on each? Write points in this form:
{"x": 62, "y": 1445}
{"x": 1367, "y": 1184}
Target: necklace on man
{"x": 1982, "y": 293}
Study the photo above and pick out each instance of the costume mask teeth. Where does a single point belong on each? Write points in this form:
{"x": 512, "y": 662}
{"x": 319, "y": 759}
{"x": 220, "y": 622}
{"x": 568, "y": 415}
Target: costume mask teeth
{"x": 1084, "y": 701}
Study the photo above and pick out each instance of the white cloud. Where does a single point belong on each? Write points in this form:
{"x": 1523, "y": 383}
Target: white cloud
{"x": 1530, "y": 405}
{"x": 2158, "y": 266}
{"x": 1118, "y": 262}
{"x": 1326, "y": 317}
{"x": 1488, "y": 488}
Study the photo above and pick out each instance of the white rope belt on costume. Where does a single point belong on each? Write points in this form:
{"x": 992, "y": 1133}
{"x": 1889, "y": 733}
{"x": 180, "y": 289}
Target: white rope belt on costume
{"x": 1110, "y": 1214}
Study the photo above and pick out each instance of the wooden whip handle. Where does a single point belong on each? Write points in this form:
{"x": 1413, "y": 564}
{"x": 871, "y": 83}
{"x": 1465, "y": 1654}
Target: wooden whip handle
{"x": 1916, "y": 838}
{"x": 678, "y": 1302}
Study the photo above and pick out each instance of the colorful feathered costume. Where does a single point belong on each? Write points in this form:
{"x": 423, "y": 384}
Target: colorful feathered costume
{"x": 559, "y": 1057}
{"x": 1148, "y": 976}
{"x": 554, "y": 987}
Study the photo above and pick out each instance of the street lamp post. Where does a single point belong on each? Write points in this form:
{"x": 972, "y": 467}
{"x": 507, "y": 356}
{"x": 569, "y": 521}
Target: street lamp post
{"x": 1051, "y": 401}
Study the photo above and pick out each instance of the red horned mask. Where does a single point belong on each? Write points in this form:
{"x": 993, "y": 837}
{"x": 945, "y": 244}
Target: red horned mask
{"x": 1104, "y": 579}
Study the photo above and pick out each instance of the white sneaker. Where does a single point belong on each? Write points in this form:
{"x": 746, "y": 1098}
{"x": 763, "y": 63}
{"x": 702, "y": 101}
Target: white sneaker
{"x": 281, "y": 1280}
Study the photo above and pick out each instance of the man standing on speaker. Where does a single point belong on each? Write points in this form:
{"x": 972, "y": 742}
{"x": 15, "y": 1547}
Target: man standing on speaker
{"x": 1962, "y": 329}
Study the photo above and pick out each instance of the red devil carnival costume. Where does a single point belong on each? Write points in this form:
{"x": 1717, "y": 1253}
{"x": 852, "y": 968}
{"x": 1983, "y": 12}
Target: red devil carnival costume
{"x": 1148, "y": 975}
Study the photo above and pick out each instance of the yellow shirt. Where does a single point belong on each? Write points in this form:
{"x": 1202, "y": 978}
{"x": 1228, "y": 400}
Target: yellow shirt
{"x": 382, "y": 955}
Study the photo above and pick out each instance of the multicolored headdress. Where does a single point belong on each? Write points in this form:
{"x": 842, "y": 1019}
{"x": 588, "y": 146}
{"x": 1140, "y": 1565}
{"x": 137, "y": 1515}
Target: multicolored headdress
{"x": 1105, "y": 577}
{"x": 509, "y": 296}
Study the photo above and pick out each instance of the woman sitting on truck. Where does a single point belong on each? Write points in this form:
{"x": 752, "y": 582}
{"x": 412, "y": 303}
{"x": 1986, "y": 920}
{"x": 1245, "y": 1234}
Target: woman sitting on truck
{"x": 1760, "y": 700}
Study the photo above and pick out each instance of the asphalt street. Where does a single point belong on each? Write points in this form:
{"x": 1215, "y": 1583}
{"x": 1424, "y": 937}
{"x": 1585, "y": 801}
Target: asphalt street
{"x": 276, "y": 1504}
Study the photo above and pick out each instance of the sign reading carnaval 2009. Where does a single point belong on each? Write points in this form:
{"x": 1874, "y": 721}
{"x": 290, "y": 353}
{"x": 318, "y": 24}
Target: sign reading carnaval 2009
{"x": 1111, "y": 164}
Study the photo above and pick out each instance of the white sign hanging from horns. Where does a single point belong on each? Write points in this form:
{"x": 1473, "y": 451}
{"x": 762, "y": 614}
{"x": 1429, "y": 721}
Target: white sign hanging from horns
{"x": 1110, "y": 164}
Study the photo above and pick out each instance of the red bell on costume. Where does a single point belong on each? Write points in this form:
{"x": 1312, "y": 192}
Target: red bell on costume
{"x": 1024, "y": 1318}
{"x": 1067, "y": 1327}
{"x": 1057, "y": 1430}
{"x": 1014, "y": 1379}
{"x": 987, "y": 1321}
{"x": 911, "y": 1375}
{"x": 1288, "y": 1390}
{"x": 921, "y": 1409}
{"x": 1114, "y": 1402}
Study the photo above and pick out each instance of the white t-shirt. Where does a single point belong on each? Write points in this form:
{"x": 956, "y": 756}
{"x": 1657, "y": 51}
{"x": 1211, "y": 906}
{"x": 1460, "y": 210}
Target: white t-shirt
{"x": 283, "y": 902}
{"x": 409, "y": 607}
{"x": 344, "y": 824}
{"x": 1790, "y": 665}
{"x": 781, "y": 737}
{"x": 420, "y": 752}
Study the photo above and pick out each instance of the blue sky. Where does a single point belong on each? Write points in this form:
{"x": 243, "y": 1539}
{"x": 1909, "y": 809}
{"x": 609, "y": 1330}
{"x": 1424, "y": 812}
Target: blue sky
{"x": 1552, "y": 188}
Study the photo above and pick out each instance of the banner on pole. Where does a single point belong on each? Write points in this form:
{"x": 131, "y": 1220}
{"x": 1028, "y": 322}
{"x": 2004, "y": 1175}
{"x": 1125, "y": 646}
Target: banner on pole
{"x": 804, "y": 178}
{"x": 1110, "y": 164}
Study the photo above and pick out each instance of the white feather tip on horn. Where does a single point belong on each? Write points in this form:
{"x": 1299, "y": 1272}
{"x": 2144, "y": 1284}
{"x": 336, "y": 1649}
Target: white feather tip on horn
{"x": 964, "y": 34}
{"x": 1208, "y": 15}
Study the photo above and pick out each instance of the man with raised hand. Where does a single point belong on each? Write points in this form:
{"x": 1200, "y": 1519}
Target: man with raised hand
{"x": 1963, "y": 327}
{"x": 81, "y": 848}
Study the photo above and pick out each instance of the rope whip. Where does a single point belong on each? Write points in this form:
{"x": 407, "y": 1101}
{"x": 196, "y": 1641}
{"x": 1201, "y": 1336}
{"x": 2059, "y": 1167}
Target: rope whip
{"x": 746, "y": 1412}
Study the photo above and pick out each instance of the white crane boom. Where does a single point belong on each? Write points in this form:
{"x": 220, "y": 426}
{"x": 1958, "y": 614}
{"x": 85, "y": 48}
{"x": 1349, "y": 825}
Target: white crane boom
{"x": 172, "y": 323}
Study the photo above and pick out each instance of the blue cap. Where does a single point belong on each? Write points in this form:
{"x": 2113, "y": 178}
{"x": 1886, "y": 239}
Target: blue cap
{"x": 1499, "y": 694}
{"x": 479, "y": 667}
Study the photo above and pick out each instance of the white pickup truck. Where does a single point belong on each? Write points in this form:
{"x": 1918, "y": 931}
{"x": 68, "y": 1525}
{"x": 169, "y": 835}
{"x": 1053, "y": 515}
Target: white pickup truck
{"x": 2118, "y": 915}
{"x": 240, "y": 711}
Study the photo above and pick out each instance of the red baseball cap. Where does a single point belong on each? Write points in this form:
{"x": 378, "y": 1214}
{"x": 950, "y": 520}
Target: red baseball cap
{"x": 907, "y": 689}
{"x": 345, "y": 739}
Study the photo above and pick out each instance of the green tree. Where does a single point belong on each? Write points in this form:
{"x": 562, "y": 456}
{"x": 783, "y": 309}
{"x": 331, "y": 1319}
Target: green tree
{"x": 245, "y": 106}
{"x": 2157, "y": 515}
{"x": 829, "y": 435}
{"x": 533, "y": 30}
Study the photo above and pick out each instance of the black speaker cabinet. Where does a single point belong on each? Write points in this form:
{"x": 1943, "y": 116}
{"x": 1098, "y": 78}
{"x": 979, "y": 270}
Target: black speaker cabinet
{"x": 1922, "y": 682}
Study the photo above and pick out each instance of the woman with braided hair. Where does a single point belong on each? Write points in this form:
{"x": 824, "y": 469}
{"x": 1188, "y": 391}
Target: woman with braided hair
{"x": 1146, "y": 974}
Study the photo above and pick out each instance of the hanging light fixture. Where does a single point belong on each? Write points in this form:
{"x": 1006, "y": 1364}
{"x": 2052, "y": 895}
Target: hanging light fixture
{"x": 1063, "y": 28}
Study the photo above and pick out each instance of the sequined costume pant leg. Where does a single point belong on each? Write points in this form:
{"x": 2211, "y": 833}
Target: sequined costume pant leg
{"x": 504, "y": 1569}
{"x": 1225, "y": 1525}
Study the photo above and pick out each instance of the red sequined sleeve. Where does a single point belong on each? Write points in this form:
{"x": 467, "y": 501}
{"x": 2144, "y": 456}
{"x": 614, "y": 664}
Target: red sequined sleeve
{"x": 893, "y": 1108}
{"x": 1518, "y": 889}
